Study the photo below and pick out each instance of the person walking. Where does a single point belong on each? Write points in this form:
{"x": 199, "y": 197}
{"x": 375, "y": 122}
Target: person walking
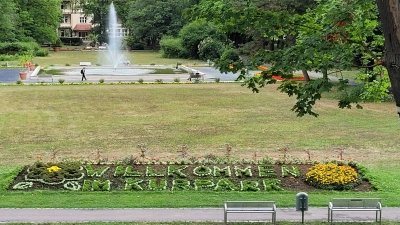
{"x": 83, "y": 73}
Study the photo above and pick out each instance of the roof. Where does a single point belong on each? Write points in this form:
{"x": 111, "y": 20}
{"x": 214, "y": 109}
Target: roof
{"x": 83, "y": 27}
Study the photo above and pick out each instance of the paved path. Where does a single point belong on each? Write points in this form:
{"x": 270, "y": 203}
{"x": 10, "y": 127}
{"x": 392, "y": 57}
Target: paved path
{"x": 11, "y": 75}
{"x": 182, "y": 214}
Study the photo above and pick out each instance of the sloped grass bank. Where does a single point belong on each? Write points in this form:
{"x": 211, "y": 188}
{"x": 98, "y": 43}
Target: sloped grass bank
{"x": 81, "y": 121}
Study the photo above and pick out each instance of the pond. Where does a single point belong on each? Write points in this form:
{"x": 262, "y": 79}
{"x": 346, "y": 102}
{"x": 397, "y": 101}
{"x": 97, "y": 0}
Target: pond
{"x": 9, "y": 75}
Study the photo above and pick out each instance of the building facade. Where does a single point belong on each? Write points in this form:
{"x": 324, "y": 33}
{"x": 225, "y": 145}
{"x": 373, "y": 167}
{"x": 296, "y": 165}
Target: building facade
{"x": 74, "y": 23}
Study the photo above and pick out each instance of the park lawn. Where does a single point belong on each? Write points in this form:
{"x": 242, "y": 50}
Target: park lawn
{"x": 72, "y": 58}
{"x": 350, "y": 74}
{"x": 79, "y": 121}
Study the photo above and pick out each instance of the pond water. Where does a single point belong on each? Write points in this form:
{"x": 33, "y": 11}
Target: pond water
{"x": 109, "y": 71}
{"x": 9, "y": 75}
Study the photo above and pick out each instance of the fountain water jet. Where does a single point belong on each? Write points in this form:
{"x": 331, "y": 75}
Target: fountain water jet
{"x": 113, "y": 52}
{"x": 112, "y": 57}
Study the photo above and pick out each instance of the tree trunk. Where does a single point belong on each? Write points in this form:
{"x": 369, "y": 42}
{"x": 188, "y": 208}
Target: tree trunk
{"x": 306, "y": 76}
{"x": 281, "y": 43}
{"x": 324, "y": 73}
{"x": 271, "y": 44}
{"x": 389, "y": 11}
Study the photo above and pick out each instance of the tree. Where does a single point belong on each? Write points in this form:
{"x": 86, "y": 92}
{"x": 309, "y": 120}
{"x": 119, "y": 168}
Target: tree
{"x": 7, "y": 18}
{"x": 149, "y": 20}
{"x": 38, "y": 19}
{"x": 195, "y": 32}
{"x": 389, "y": 11}
{"x": 327, "y": 38}
{"x": 99, "y": 9}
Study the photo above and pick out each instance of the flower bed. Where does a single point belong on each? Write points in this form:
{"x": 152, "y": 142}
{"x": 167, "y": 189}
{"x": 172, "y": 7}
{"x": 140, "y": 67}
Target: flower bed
{"x": 296, "y": 77}
{"x": 333, "y": 176}
{"x": 246, "y": 177}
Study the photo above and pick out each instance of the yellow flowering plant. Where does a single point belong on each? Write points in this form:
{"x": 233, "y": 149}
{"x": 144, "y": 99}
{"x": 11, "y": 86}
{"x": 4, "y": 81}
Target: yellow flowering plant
{"x": 53, "y": 173}
{"x": 332, "y": 176}
{"x": 53, "y": 169}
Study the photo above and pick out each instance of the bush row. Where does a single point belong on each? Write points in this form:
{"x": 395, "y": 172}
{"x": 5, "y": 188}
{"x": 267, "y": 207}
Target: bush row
{"x": 18, "y": 47}
{"x": 72, "y": 41}
{"x": 197, "y": 40}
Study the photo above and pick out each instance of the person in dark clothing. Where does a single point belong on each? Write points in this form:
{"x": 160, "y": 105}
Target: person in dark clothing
{"x": 83, "y": 73}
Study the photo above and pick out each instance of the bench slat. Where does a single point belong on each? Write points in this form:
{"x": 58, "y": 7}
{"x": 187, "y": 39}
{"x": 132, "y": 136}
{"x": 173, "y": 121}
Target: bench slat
{"x": 355, "y": 204}
{"x": 250, "y": 207}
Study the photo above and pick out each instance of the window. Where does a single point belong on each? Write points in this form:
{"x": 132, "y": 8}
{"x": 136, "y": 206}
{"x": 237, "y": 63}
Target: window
{"x": 64, "y": 5}
{"x": 83, "y": 34}
{"x": 65, "y": 19}
{"x": 82, "y": 19}
{"x": 124, "y": 32}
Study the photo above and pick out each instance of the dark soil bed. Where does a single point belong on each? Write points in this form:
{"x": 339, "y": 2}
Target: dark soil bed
{"x": 118, "y": 181}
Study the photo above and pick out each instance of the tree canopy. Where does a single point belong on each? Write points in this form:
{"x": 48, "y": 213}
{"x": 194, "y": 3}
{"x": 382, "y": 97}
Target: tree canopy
{"x": 149, "y": 20}
{"x": 29, "y": 20}
{"x": 37, "y": 20}
{"x": 7, "y": 18}
{"x": 329, "y": 36}
{"x": 99, "y": 10}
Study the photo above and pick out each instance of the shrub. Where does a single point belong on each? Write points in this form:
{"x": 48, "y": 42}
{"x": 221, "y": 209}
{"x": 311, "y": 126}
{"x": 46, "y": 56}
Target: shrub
{"x": 42, "y": 52}
{"x": 230, "y": 54}
{"x": 193, "y": 33}
{"x": 217, "y": 80}
{"x": 140, "y": 81}
{"x": 73, "y": 41}
{"x": 7, "y": 57}
{"x": 57, "y": 43}
{"x": 61, "y": 81}
{"x": 228, "y": 57}
{"x": 101, "y": 81}
{"x": 137, "y": 46}
{"x": 177, "y": 80}
{"x": 210, "y": 49}
{"x": 67, "y": 64}
{"x": 133, "y": 43}
{"x": 18, "y": 47}
{"x": 158, "y": 81}
{"x": 172, "y": 47}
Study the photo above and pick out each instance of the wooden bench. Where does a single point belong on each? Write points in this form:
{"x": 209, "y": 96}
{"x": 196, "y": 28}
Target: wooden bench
{"x": 355, "y": 204}
{"x": 250, "y": 207}
{"x": 85, "y": 63}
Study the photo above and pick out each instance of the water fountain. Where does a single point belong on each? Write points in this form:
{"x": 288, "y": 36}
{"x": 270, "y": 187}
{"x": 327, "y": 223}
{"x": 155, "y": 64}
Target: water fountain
{"x": 112, "y": 57}
{"x": 113, "y": 52}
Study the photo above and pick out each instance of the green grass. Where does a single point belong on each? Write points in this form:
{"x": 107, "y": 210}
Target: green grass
{"x": 166, "y": 71}
{"x": 77, "y": 121}
{"x": 351, "y": 74}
